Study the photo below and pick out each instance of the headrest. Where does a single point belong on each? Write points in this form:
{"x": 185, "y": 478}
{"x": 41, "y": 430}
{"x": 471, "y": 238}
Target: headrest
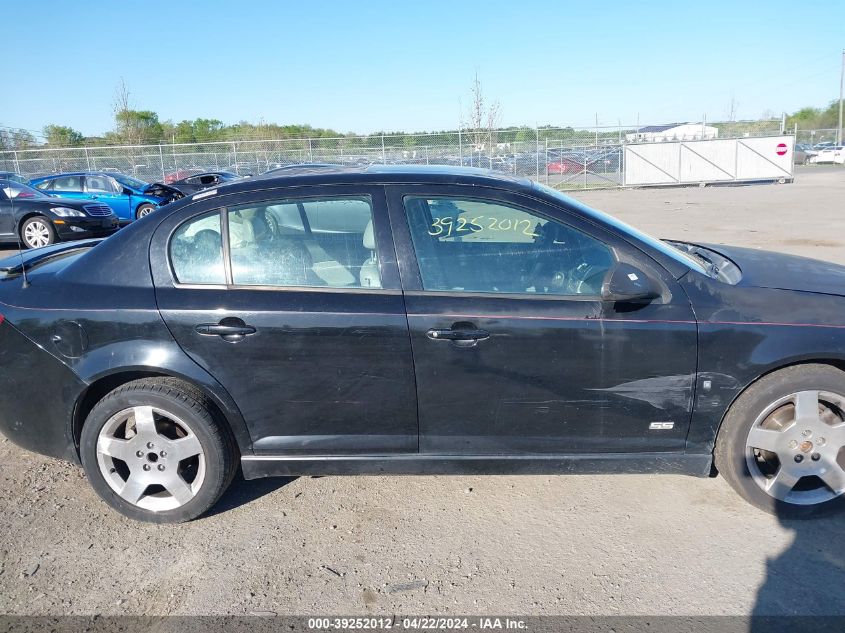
{"x": 369, "y": 237}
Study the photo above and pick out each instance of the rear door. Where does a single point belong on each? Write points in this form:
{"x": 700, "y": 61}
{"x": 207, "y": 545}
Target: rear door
{"x": 291, "y": 299}
{"x": 67, "y": 187}
{"x": 543, "y": 365}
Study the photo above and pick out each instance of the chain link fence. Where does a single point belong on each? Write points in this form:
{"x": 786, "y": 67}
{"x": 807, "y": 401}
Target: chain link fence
{"x": 566, "y": 158}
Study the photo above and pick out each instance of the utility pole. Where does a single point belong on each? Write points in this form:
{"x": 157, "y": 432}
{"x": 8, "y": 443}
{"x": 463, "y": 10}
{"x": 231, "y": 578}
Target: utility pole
{"x": 841, "y": 90}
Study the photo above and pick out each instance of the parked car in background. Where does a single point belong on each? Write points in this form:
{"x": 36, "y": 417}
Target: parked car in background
{"x": 803, "y": 154}
{"x": 411, "y": 320}
{"x": 830, "y": 154}
{"x": 40, "y": 220}
{"x": 13, "y": 176}
{"x": 205, "y": 180}
{"x": 180, "y": 174}
{"x": 130, "y": 198}
{"x": 564, "y": 165}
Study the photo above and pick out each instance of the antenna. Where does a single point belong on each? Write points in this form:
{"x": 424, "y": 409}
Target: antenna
{"x": 18, "y": 234}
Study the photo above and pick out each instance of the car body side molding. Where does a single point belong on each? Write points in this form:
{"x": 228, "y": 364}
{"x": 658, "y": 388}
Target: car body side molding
{"x": 257, "y": 466}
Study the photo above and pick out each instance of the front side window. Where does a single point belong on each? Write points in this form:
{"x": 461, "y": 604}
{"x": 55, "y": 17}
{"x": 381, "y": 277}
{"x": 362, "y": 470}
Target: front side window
{"x": 67, "y": 183}
{"x": 467, "y": 245}
{"x": 100, "y": 184}
{"x": 309, "y": 242}
{"x": 196, "y": 251}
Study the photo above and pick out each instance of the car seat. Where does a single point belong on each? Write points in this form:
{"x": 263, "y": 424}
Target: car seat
{"x": 370, "y": 276}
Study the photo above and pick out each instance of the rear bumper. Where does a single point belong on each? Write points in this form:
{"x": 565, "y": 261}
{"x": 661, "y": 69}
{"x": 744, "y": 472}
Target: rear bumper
{"x": 81, "y": 228}
{"x": 37, "y": 397}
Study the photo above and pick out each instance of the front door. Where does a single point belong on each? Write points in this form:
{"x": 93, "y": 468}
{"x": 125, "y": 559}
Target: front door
{"x": 7, "y": 217}
{"x": 292, "y": 302}
{"x": 105, "y": 189}
{"x": 514, "y": 350}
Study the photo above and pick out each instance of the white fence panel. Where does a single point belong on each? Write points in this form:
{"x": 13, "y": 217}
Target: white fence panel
{"x": 720, "y": 160}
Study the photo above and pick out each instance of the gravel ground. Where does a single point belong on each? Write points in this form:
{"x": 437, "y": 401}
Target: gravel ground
{"x": 618, "y": 545}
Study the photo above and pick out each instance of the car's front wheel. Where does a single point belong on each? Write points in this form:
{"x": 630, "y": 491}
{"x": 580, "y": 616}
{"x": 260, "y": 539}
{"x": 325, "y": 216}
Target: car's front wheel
{"x": 153, "y": 450}
{"x": 37, "y": 231}
{"x": 782, "y": 443}
{"x": 144, "y": 209}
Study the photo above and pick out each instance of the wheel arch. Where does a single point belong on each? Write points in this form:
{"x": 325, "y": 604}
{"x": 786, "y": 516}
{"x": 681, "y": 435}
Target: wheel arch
{"x": 222, "y": 407}
{"x": 27, "y": 216}
{"x": 832, "y": 361}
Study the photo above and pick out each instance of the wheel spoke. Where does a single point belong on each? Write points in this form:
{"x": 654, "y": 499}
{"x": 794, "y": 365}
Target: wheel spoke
{"x": 781, "y": 484}
{"x": 834, "y": 477}
{"x": 179, "y": 488}
{"x": 133, "y": 489}
{"x": 184, "y": 448}
{"x": 807, "y": 405}
{"x": 114, "y": 447}
{"x": 144, "y": 421}
{"x": 764, "y": 439}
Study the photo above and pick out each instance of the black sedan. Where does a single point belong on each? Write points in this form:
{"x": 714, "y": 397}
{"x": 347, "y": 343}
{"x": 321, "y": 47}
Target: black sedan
{"x": 419, "y": 320}
{"x": 205, "y": 180}
{"x": 37, "y": 219}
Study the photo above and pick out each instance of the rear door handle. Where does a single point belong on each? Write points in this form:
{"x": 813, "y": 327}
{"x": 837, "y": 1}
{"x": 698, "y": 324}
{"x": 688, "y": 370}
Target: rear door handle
{"x": 232, "y": 330}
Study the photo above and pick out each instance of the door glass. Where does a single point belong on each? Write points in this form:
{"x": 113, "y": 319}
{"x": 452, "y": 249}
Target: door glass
{"x": 312, "y": 242}
{"x": 67, "y": 183}
{"x": 196, "y": 251}
{"x": 467, "y": 245}
{"x": 99, "y": 184}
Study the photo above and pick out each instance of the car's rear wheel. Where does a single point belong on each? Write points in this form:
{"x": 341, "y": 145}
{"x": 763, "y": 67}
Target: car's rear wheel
{"x": 153, "y": 450}
{"x": 144, "y": 209}
{"x": 37, "y": 231}
{"x": 782, "y": 443}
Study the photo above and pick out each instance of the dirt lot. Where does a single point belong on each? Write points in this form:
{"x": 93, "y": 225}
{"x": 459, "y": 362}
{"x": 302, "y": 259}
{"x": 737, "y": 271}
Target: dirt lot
{"x": 451, "y": 545}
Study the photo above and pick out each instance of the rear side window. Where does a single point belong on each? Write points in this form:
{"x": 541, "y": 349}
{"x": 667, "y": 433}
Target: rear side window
{"x": 313, "y": 242}
{"x": 67, "y": 183}
{"x": 310, "y": 242}
{"x": 196, "y": 251}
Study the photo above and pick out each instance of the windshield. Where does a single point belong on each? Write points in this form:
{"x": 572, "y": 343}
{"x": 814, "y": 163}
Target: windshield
{"x": 20, "y": 190}
{"x": 129, "y": 181}
{"x": 653, "y": 242}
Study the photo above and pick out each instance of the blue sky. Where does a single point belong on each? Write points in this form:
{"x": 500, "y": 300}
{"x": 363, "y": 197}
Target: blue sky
{"x": 370, "y": 65}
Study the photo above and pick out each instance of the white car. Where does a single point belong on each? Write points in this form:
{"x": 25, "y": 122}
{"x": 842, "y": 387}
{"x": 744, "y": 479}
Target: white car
{"x": 833, "y": 154}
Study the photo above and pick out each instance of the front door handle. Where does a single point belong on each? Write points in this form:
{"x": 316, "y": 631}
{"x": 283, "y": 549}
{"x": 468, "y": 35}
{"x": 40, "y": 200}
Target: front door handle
{"x": 232, "y": 330}
{"x": 466, "y": 332}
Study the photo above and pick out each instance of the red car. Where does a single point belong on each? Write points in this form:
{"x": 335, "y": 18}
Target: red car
{"x": 179, "y": 174}
{"x": 564, "y": 166}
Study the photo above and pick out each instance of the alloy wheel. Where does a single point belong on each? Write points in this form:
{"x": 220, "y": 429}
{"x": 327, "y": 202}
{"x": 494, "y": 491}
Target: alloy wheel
{"x": 36, "y": 234}
{"x": 151, "y": 458}
{"x": 795, "y": 450}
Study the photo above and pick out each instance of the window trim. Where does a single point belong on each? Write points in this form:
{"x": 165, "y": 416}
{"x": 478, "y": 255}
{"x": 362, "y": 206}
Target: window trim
{"x": 299, "y": 200}
{"x": 473, "y": 196}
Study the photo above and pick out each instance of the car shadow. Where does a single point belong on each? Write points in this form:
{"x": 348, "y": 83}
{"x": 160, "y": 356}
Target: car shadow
{"x": 241, "y": 492}
{"x": 806, "y": 579}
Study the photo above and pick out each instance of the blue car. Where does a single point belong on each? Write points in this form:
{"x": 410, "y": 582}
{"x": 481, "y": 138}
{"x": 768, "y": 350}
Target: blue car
{"x": 128, "y": 197}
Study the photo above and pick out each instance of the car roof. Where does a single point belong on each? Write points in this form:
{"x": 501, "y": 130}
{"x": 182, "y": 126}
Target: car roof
{"x": 379, "y": 174}
{"x": 80, "y": 173}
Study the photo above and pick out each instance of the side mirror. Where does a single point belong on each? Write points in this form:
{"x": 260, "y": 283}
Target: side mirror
{"x": 127, "y": 191}
{"x": 629, "y": 284}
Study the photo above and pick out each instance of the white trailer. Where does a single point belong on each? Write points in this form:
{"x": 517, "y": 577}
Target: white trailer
{"x": 758, "y": 159}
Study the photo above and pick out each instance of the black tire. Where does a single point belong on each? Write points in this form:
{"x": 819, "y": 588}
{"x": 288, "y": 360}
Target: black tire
{"x": 190, "y": 405}
{"x": 144, "y": 209}
{"x": 28, "y": 230}
{"x": 730, "y": 449}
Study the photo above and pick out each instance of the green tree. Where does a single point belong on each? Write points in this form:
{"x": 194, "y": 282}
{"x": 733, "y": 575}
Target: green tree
{"x": 137, "y": 127}
{"x": 62, "y": 136}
